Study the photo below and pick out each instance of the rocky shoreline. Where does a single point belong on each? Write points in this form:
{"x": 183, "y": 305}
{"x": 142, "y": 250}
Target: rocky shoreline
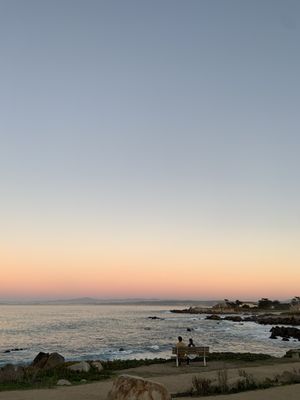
{"x": 259, "y": 318}
{"x": 285, "y": 332}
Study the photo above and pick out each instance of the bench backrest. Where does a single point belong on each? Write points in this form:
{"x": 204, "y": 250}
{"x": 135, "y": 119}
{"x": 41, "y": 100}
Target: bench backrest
{"x": 191, "y": 350}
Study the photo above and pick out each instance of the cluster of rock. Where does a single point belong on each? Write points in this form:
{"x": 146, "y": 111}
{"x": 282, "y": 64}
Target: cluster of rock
{"x": 260, "y": 319}
{"x": 45, "y": 361}
{"x": 285, "y": 332}
{"x": 11, "y": 350}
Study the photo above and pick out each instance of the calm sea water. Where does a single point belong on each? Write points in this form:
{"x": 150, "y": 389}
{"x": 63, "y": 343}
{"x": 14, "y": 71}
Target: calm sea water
{"x": 112, "y": 331}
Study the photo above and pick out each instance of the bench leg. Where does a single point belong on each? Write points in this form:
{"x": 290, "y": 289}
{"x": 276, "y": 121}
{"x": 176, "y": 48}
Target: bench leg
{"x": 204, "y": 361}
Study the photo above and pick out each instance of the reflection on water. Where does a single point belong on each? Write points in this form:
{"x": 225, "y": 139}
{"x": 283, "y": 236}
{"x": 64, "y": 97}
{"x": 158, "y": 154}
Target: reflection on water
{"x": 108, "y": 332}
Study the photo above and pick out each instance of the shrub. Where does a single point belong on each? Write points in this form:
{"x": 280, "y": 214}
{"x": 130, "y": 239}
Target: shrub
{"x": 247, "y": 383}
{"x": 201, "y": 386}
{"x": 222, "y": 376}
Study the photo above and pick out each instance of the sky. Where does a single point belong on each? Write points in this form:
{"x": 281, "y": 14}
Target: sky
{"x": 149, "y": 149}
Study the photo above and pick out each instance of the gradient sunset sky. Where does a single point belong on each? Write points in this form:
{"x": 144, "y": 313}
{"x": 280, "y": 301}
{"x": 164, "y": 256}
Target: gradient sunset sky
{"x": 150, "y": 149}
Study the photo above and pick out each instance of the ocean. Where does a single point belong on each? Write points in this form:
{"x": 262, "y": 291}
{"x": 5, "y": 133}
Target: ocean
{"x": 107, "y": 332}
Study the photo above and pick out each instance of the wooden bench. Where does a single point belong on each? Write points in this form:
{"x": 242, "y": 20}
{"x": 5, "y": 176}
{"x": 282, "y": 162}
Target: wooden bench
{"x": 182, "y": 353}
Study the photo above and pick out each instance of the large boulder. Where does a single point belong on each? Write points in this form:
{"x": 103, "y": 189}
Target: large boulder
{"x": 47, "y": 361}
{"x": 128, "y": 387}
{"x": 40, "y": 360}
{"x": 11, "y": 373}
{"x": 97, "y": 365}
{"x": 82, "y": 366}
{"x": 54, "y": 360}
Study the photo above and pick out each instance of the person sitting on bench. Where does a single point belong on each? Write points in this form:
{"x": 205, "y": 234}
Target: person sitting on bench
{"x": 191, "y": 356}
{"x": 180, "y": 344}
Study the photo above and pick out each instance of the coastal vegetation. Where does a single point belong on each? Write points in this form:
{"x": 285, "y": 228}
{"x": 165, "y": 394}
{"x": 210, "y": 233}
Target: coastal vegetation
{"x": 261, "y": 306}
{"x": 221, "y": 384}
{"x": 17, "y": 377}
{"x": 46, "y": 378}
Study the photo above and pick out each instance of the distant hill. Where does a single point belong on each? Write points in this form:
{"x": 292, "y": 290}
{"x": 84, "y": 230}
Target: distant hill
{"x": 94, "y": 301}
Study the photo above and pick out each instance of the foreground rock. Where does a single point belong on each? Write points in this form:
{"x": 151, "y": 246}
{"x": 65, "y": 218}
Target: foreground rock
{"x": 11, "y": 373}
{"x": 97, "y": 365}
{"x": 82, "y": 366}
{"x": 128, "y": 387}
{"x": 63, "y": 382}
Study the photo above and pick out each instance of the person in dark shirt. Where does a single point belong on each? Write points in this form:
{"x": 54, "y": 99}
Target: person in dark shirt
{"x": 191, "y": 356}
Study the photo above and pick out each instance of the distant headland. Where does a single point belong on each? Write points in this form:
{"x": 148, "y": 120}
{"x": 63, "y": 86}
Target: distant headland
{"x": 261, "y": 306}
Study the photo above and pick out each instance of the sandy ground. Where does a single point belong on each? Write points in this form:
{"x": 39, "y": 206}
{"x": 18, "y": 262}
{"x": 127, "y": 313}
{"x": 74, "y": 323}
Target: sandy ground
{"x": 176, "y": 380}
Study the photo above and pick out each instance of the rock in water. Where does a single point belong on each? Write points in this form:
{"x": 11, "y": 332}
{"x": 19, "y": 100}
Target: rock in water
{"x": 233, "y": 318}
{"x": 128, "y": 387}
{"x": 213, "y": 317}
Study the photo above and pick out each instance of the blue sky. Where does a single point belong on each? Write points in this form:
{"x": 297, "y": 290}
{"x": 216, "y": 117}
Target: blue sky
{"x": 168, "y": 117}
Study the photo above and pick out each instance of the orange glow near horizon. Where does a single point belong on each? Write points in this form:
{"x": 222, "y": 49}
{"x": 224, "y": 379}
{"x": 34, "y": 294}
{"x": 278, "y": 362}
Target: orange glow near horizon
{"x": 148, "y": 271}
